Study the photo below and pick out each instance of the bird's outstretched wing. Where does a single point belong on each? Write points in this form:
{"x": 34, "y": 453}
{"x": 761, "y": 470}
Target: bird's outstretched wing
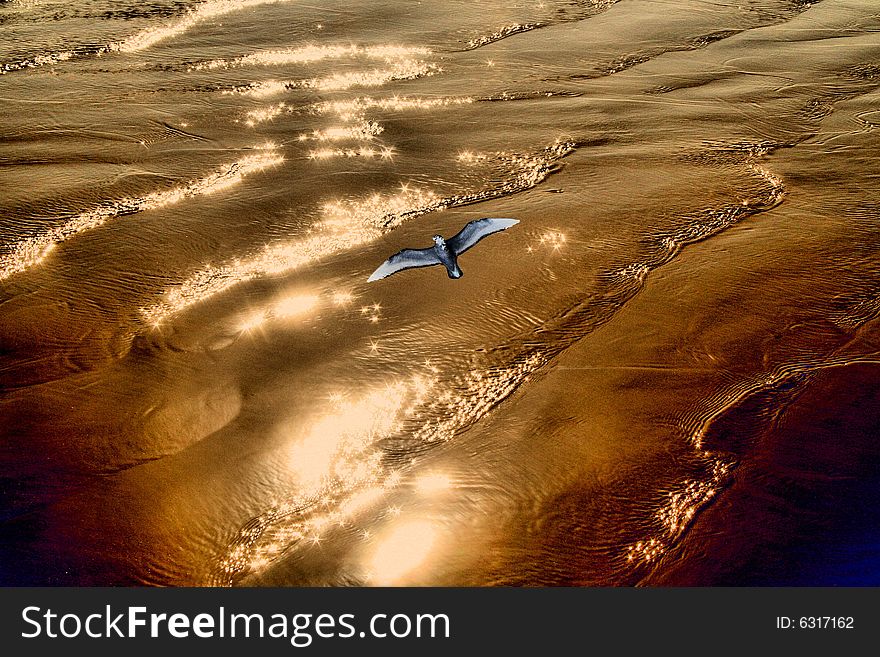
{"x": 476, "y": 230}
{"x": 406, "y": 259}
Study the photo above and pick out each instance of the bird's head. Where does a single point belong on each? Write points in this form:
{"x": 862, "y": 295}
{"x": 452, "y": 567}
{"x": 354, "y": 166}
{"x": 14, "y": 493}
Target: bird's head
{"x": 438, "y": 240}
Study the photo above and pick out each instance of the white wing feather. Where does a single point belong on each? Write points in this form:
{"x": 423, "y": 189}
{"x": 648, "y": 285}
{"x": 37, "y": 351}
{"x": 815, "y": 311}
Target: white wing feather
{"x": 406, "y": 259}
{"x": 476, "y": 230}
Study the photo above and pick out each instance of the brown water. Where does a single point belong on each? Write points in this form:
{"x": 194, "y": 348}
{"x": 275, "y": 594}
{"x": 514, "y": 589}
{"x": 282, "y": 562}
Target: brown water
{"x": 665, "y": 374}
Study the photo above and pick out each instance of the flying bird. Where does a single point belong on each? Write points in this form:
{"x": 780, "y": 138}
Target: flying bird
{"x": 444, "y": 252}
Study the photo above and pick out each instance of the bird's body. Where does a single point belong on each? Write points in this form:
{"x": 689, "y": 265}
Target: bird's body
{"x": 444, "y": 252}
{"x": 447, "y": 257}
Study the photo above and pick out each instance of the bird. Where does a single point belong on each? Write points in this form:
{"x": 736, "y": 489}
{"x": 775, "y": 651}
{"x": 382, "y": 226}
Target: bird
{"x": 444, "y": 252}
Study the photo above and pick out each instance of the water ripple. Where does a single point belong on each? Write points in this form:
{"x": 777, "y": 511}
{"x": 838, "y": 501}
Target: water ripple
{"x": 32, "y": 251}
{"x": 310, "y": 54}
{"x": 401, "y": 70}
{"x": 347, "y": 224}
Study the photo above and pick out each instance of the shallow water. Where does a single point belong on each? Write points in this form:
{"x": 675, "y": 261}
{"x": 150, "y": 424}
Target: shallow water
{"x": 648, "y": 380}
